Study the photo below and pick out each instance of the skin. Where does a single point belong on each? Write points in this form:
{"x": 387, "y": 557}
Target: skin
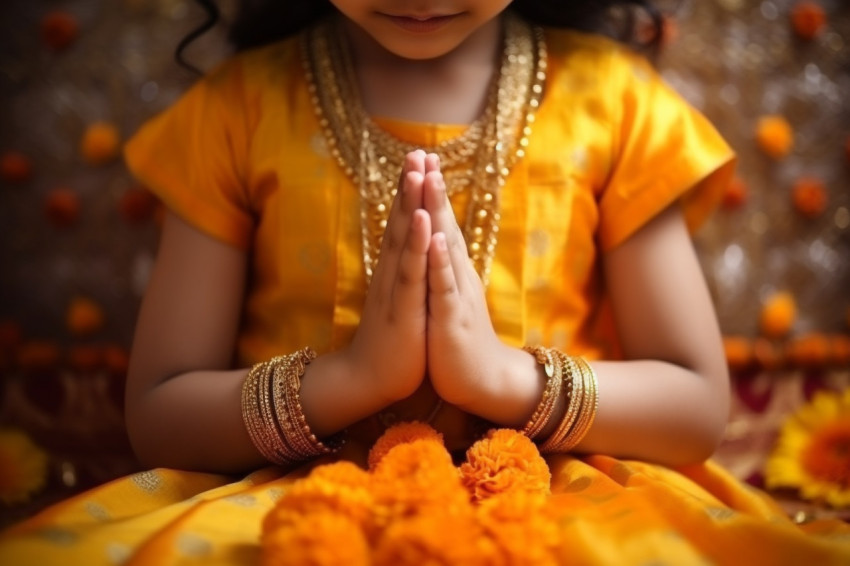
{"x": 667, "y": 401}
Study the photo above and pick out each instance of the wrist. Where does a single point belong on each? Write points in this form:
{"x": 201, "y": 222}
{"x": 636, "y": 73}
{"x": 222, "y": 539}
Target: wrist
{"x": 511, "y": 389}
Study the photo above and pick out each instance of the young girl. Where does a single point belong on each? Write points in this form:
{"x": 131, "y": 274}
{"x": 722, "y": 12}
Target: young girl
{"x": 321, "y": 276}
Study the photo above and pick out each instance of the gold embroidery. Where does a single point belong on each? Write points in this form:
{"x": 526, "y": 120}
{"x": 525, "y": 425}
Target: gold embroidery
{"x": 486, "y": 151}
{"x": 147, "y": 481}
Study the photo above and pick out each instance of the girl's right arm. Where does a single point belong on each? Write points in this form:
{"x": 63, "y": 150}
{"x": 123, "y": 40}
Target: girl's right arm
{"x": 183, "y": 400}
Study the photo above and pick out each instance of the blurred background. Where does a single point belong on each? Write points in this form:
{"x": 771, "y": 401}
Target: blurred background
{"x": 78, "y": 77}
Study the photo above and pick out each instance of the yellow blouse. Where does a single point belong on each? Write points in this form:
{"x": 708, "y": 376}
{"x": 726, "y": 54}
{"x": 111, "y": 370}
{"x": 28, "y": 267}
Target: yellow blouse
{"x": 242, "y": 157}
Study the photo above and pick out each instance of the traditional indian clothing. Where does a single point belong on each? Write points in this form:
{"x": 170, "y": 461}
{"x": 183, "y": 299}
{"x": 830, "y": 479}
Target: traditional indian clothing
{"x": 243, "y": 157}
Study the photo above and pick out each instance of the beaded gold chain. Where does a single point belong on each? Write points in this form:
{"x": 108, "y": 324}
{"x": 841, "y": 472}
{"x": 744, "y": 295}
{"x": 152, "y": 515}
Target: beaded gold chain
{"x": 486, "y": 151}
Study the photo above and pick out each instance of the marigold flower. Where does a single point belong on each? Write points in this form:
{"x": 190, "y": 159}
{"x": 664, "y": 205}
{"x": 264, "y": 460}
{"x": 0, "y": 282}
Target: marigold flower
{"x": 59, "y": 29}
{"x": 319, "y": 538}
{"x": 85, "y": 357}
{"x": 341, "y": 488}
{"x": 736, "y": 194}
{"x": 15, "y": 167}
{"x": 100, "y": 143}
{"x": 62, "y": 207}
{"x": 116, "y": 360}
{"x": 84, "y": 316}
{"x": 774, "y": 136}
{"x": 512, "y": 520}
{"x": 809, "y": 196}
{"x": 401, "y": 433}
{"x": 23, "y": 467}
{"x": 417, "y": 478}
{"x": 37, "y": 355}
{"x": 840, "y": 349}
{"x": 435, "y": 540}
{"x": 11, "y": 334}
{"x": 739, "y": 351}
{"x": 812, "y": 453}
{"x": 778, "y": 314}
{"x": 807, "y": 19}
{"x": 767, "y": 354}
{"x": 811, "y": 350}
{"x": 504, "y": 461}
{"x": 137, "y": 205}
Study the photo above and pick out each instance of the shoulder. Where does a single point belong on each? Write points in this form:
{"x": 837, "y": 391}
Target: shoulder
{"x": 255, "y": 69}
{"x": 593, "y": 55}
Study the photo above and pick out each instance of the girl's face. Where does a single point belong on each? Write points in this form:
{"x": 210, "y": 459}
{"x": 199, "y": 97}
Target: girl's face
{"x": 420, "y": 29}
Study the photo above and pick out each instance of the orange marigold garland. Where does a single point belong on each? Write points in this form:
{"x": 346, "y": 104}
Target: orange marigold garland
{"x": 414, "y": 506}
{"x": 319, "y": 538}
{"x": 435, "y": 539}
{"x": 417, "y": 478}
{"x": 503, "y": 462}
{"x": 340, "y": 488}
{"x": 401, "y": 434}
{"x": 512, "y": 520}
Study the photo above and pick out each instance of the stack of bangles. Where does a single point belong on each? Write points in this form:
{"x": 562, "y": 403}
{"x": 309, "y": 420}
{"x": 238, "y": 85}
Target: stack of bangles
{"x": 271, "y": 410}
{"x": 572, "y": 377}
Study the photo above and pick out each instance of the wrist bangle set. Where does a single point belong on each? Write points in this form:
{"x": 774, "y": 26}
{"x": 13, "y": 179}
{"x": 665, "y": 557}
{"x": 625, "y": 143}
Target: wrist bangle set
{"x": 271, "y": 410}
{"x": 572, "y": 377}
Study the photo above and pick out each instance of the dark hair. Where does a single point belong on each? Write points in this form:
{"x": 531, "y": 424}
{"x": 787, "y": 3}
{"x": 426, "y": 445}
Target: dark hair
{"x": 259, "y": 22}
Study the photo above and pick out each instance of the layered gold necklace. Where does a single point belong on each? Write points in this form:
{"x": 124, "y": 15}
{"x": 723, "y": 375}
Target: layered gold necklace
{"x": 477, "y": 162}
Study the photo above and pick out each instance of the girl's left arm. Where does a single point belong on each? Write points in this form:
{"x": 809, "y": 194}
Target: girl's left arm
{"x": 668, "y": 400}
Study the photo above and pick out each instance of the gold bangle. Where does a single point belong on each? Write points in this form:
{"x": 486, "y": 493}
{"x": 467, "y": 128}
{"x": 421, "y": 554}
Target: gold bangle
{"x": 589, "y": 408}
{"x": 554, "y": 374}
{"x": 271, "y": 411}
{"x": 572, "y": 389}
{"x": 296, "y": 430}
{"x": 585, "y": 399}
{"x": 258, "y": 417}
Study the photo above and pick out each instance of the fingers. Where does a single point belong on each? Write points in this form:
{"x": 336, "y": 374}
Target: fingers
{"x": 411, "y": 278}
{"x": 408, "y": 199}
{"x": 443, "y": 296}
{"x": 436, "y": 202}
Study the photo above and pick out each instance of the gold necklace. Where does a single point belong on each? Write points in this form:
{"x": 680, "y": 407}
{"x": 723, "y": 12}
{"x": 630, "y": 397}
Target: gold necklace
{"x": 485, "y": 152}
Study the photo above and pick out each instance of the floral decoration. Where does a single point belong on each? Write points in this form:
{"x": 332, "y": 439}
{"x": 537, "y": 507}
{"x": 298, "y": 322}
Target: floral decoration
{"x": 415, "y": 506}
{"x": 812, "y": 454}
{"x": 23, "y": 467}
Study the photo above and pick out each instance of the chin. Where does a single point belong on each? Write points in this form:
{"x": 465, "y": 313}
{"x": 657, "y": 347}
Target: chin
{"x": 419, "y": 50}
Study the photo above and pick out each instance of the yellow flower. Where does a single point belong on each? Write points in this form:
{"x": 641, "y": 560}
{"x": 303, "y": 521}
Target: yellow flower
{"x": 401, "y": 433}
{"x": 504, "y": 461}
{"x": 320, "y": 538}
{"x": 812, "y": 453}
{"x": 23, "y": 467}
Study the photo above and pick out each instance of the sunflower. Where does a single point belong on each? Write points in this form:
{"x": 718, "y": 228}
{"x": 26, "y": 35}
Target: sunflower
{"x": 812, "y": 454}
{"x": 23, "y": 467}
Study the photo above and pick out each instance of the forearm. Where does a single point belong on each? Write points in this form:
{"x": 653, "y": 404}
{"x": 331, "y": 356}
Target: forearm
{"x": 194, "y": 420}
{"x": 650, "y": 410}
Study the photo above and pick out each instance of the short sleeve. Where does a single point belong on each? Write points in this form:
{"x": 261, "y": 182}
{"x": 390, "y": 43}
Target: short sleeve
{"x": 193, "y": 157}
{"x": 663, "y": 151}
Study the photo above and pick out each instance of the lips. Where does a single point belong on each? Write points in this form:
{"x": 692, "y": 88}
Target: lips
{"x": 421, "y": 24}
